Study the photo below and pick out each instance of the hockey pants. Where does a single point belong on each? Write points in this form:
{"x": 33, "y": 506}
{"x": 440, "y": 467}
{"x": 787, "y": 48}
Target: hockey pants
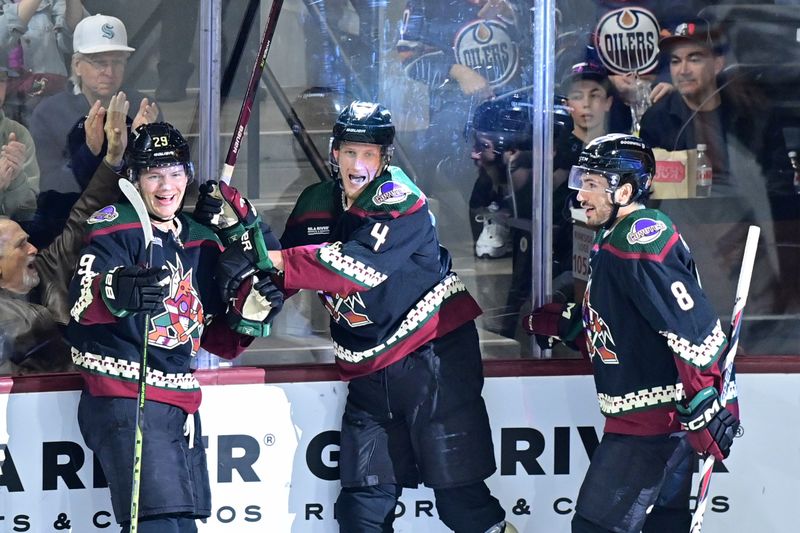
{"x": 636, "y": 484}
{"x": 467, "y": 509}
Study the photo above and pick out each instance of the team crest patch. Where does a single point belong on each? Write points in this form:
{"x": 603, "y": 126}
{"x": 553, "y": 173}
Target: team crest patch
{"x": 645, "y": 230}
{"x": 107, "y": 214}
{"x": 391, "y": 192}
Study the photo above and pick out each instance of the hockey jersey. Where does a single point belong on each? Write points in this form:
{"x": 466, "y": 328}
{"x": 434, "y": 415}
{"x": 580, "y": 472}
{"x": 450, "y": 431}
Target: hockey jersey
{"x": 651, "y": 333}
{"x": 107, "y": 349}
{"x": 379, "y": 270}
{"x": 485, "y": 39}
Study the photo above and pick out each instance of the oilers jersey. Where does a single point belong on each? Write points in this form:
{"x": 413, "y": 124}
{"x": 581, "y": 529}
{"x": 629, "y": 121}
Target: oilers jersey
{"x": 652, "y": 336}
{"x": 107, "y": 349}
{"x": 379, "y": 270}
{"x": 486, "y": 39}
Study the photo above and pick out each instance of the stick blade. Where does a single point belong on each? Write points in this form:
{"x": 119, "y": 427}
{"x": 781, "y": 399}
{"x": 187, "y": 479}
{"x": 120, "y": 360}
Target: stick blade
{"x": 133, "y": 196}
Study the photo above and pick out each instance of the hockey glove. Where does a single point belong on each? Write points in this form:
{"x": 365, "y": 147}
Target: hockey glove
{"x": 257, "y": 302}
{"x": 711, "y": 427}
{"x": 127, "y": 290}
{"x": 243, "y": 258}
{"x": 221, "y": 207}
{"x": 552, "y": 323}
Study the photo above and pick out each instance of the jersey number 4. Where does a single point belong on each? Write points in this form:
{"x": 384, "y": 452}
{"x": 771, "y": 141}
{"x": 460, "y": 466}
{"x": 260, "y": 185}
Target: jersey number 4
{"x": 379, "y": 231}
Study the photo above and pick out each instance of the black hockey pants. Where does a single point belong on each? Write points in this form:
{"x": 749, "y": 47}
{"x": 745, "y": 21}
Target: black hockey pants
{"x": 468, "y": 509}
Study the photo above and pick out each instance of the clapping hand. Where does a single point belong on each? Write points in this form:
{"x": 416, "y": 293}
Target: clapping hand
{"x": 12, "y": 157}
{"x": 116, "y": 130}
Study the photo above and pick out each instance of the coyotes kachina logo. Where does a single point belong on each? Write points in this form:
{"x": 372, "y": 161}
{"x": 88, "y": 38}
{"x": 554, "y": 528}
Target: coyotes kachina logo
{"x": 599, "y": 340}
{"x": 344, "y": 307}
{"x": 182, "y": 320}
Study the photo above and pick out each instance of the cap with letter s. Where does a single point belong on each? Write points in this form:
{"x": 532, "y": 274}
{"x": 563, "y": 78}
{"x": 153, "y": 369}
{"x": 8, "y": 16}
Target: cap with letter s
{"x": 100, "y": 33}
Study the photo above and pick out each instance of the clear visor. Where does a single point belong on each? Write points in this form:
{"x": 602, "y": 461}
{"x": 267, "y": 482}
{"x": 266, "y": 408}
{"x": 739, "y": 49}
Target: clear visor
{"x": 591, "y": 180}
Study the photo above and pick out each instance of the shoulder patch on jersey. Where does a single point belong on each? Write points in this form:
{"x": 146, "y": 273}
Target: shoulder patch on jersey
{"x": 106, "y": 214}
{"x": 391, "y": 192}
{"x": 112, "y": 216}
{"x": 645, "y": 230}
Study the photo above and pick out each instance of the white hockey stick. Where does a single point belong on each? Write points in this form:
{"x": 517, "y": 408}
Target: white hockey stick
{"x": 742, "y": 289}
{"x": 132, "y": 194}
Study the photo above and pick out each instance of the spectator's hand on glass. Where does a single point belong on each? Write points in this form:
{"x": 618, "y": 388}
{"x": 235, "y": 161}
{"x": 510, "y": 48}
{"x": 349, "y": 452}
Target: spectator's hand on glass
{"x": 497, "y": 10}
{"x": 625, "y": 85}
{"x": 470, "y": 82}
{"x": 93, "y": 128}
{"x": 116, "y": 129}
{"x": 12, "y": 157}
{"x": 661, "y": 90}
{"x": 147, "y": 113}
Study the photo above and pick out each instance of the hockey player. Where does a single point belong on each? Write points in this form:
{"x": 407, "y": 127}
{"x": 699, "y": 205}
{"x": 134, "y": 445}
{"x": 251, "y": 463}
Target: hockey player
{"x": 114, "y": 285}
{"x": 654, "y": 342}
{"x": 403, "y": 334}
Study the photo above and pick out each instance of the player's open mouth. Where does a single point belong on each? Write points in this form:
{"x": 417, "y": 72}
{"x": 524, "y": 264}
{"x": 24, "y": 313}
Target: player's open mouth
{"x": 165, "y": 200}
{"x": 357, "y": 180}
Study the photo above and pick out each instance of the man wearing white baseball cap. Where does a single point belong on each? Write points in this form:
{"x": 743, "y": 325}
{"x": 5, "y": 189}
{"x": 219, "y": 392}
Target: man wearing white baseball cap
{"x": 68, "y": 154}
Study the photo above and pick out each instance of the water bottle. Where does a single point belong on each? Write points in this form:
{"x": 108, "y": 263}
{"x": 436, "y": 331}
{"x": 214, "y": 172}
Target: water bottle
{"x": 703, "y": 173}
{"x": 796, "y": 167}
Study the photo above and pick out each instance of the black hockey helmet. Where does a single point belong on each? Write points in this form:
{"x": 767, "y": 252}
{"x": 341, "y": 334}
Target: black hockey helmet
{"x": 505, "y": 121}
{"x": 157, "y": 144}
{"x": 620, "y": 159}
{"x": 363, "y": 122}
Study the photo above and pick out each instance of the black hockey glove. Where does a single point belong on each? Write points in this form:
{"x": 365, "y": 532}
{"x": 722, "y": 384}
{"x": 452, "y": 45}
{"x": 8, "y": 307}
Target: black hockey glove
{"x": 552, "y": 323}
{"x": 243, "y": 258}
{"x": 711, "y": 427}
{"x": 257, "y": 302}
{"x": 127, "y": 290}
{"x": 221, "y": 207}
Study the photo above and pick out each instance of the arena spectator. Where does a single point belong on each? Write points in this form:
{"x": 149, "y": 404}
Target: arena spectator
{"x": 588, "y": 92}
{"x": 715, "y": 108}
{"x": 19, "y": 171}
{"x": 68, "y": 156}
{"x": 36, "y": 34}
{"x": 33, "y": 285}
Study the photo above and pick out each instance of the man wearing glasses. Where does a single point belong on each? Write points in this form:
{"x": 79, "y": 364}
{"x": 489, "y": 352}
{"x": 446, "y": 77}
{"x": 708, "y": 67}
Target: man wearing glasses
{"x": 69, "y": 150}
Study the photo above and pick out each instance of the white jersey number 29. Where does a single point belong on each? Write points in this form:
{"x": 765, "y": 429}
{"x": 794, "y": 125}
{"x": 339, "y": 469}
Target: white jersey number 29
{"x": 379, "y": 231}
{"x": 682, "y": 296}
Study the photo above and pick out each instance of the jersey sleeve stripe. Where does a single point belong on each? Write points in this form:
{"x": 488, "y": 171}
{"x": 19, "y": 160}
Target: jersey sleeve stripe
{"x": 394, "y": 213}
{"x": 114, "y": 229}
{"x": 203, "y": 242}
{"x": 659, "y": 257}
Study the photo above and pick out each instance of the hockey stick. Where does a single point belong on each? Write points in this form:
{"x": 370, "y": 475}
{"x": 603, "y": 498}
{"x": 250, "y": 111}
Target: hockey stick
{"x": 250, "y": 95}
{"x": 133, "y": 197}
{"x": 742, "y": 288}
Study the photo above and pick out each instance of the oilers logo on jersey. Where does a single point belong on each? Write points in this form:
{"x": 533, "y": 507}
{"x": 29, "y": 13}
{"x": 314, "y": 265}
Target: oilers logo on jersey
{"x": 182, "y": 320}
{"x": 487, "y": 45}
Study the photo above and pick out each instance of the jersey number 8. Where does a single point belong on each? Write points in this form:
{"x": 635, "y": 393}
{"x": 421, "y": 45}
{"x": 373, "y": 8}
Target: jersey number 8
{"x": 682, "y": 296}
